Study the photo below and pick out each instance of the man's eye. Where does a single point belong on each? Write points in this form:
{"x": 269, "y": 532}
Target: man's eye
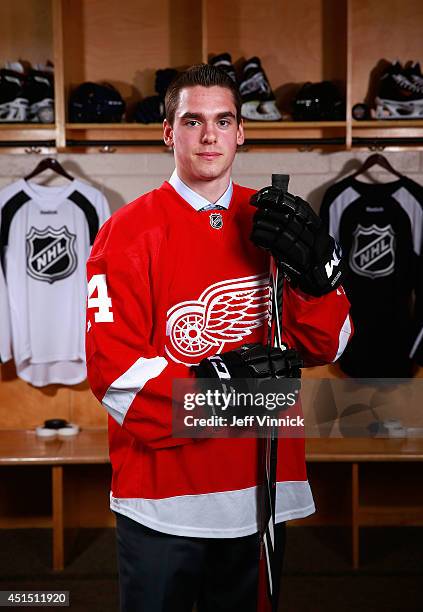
{"x": 192, "y": 122}
{"x": 224, "y": 122}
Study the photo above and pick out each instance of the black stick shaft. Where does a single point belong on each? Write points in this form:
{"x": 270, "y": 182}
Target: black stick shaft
{"x": 280, "y": 181}
{"x": 274, "y": 339}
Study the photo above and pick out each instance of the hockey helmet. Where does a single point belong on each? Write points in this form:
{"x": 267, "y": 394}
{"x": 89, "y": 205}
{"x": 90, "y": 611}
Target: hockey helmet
{"x": 164, "y": 78}
{"x": 96, "y": 103}
{"x": 152, "y": 108}
{"x": 318, "y": 102}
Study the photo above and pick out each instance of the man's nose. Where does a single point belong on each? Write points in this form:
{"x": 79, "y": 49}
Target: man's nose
{"x": 209, "y": 134}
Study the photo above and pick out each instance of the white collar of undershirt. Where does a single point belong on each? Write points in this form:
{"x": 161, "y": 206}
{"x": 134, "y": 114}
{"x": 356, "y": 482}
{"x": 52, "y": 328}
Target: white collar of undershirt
{"x": 196, "y": 200}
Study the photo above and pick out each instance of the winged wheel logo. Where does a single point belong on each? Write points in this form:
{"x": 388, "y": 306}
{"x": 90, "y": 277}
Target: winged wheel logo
{"x": 225, "y": 312}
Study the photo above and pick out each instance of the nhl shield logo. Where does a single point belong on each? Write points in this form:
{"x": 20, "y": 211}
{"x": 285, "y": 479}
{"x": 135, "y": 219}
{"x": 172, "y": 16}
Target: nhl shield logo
{"x": 373, "y": 251}
{"x": 51, "y": 253}
{"x": 216, "y": 220}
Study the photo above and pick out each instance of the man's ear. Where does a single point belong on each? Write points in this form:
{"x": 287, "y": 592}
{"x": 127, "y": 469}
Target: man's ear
{"x": 240, "y": 133}
{"x": 167, "y": 133}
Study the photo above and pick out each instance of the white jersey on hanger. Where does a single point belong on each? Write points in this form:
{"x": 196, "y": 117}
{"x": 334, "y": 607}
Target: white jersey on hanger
{"x": 5, "y": 335}
{"x": 45, "y": 239}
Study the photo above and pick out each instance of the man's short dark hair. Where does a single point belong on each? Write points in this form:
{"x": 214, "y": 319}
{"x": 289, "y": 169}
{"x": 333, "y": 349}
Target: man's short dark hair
{"x": 204, "y": 75}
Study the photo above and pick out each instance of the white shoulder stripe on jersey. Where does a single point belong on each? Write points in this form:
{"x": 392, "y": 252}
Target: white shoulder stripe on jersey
{"x": 414, "y": 210}
{"x": 121, "y": 393}
{"x": 337, "y": 208}
{"x": 344, "y": 336}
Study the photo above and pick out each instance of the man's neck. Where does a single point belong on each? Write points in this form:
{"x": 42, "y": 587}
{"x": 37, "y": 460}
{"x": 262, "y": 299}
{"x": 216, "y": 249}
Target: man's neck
{"x": 211, "y": 190}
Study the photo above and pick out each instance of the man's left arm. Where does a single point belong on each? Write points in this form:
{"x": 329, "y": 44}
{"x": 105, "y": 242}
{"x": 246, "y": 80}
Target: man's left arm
{"x": 318, "y": 327}
{"x": 315, "y": 308}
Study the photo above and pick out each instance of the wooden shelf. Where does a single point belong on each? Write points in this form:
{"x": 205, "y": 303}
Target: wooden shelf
{"x": 27, "y": 132}
{"x": 30, "y": 127}
{"x": 393, "y": 516}
{"x": 153, "y": 133}
{"x": 382, "y": 124}
{"x": 26, "y": 522}
{"x": 301, "y": 130}
{"x": 133, "y": 133}
{"x": 114, "y": 132}
{"x": 364, "y": 449}
{"x": 24, "y": 447}
{"x": 389, "y": 129}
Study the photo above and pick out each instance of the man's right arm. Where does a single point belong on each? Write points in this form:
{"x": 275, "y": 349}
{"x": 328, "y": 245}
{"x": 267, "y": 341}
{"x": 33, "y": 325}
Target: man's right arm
{"x": 126, "y": 373}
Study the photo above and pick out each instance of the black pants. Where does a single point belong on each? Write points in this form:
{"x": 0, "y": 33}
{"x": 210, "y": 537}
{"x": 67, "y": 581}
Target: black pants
{"x": 167, "y": 573}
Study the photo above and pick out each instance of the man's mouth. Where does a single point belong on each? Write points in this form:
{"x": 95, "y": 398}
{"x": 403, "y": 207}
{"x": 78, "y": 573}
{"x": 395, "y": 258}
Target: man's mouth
{"x": 209, "y": 155}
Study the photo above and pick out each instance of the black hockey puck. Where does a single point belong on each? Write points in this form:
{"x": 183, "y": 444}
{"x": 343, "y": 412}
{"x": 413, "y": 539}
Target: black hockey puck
{"x": 361, "y": 112}
{"x": 55, "y": 423}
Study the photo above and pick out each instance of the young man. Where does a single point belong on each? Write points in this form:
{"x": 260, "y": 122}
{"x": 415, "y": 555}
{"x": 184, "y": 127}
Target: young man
{"x": 174, "y": 279}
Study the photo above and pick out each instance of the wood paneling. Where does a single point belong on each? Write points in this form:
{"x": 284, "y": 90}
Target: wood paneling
{"x": 58, "y": 534}
{"x": 125, "y": 43}
{"x": 296, "y": 41}
{"x": 23, "y": 406}
{"x": 390, "y": 30}
{"x": 84, "y": 408}
{"x": 59, "y": 76}
{"x": 86, "y": 490}
{"x": 26, "y": 31}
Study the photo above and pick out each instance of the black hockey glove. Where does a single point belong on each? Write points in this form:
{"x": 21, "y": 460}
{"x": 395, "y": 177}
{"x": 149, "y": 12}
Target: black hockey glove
{"x": 251, "y": 361}
{"x": 248, "y": 369}
{"x": 288, "y": 227}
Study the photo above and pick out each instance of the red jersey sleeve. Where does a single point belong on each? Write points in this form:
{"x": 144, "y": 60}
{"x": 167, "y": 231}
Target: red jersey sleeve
{"x": 126, "y": 372}
{"x": 319, "y": 328}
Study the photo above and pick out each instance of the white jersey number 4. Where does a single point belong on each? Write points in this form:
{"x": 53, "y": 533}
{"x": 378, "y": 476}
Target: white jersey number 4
{"x": 102, "y": 302}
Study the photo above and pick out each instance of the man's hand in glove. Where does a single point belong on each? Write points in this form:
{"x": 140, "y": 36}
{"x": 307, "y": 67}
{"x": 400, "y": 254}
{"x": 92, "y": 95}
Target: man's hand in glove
{"x": 288, "y": 227}
{"x": 250, "y": 368}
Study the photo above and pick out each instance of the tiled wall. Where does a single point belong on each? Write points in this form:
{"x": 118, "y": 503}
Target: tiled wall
{"x": 123, "y": 177}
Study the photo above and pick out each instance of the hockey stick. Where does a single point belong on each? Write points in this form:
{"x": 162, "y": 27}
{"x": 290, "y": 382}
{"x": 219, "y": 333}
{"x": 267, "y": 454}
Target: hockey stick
{"x": 274, "y": 339}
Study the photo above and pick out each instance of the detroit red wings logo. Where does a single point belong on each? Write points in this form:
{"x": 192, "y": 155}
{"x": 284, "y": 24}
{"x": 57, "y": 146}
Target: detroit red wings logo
{"x": 225, "y": 312}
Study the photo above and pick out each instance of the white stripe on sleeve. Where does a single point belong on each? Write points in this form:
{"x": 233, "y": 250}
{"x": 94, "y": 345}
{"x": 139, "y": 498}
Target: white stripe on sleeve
{"x": 344, "y": 336}
{"x": 414, "y": 211}
{"x": 416, "y": 343}
{"x": 337, "y": 209}
{"x": 121, "y": 393}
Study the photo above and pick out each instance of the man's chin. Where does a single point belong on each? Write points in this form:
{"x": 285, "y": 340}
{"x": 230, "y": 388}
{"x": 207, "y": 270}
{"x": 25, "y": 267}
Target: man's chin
{"x": 211, "y": 172}
{"x": 209, "y": 176}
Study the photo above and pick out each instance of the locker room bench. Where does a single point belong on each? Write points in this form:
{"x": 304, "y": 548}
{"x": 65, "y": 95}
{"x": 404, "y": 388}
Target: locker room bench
{"x": 24, "y": 448}
{"x": 368, "y": 468}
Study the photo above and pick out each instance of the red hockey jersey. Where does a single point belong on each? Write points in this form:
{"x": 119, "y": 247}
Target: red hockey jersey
{"x": 168, "y": 286}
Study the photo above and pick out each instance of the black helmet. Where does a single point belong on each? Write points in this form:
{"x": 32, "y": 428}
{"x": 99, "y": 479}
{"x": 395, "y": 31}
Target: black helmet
{"x": 152, "y": 108}
{"x": 319, "y": 102}
{"x": 96, "y": 103}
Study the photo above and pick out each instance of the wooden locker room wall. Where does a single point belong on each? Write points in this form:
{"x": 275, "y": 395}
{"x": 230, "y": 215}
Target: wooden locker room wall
{"x": 24, "y": 406}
